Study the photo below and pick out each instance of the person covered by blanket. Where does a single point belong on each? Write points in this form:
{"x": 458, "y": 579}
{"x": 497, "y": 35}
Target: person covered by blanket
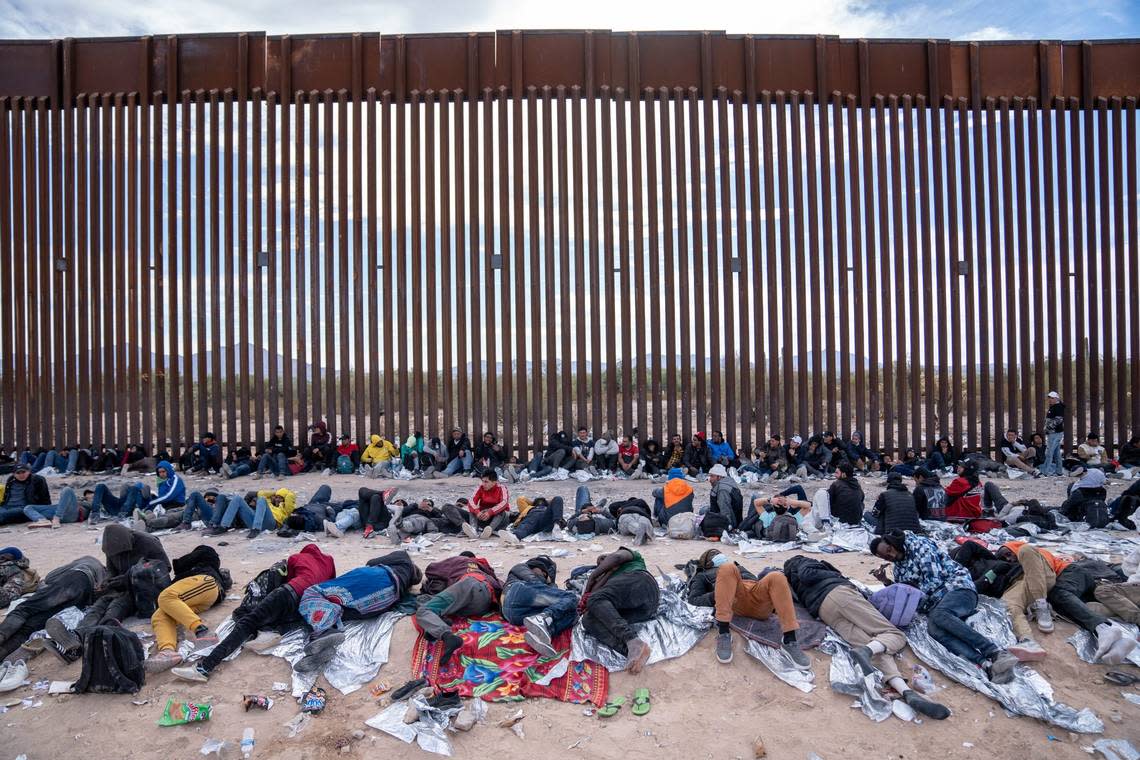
{"x": 470, "y": 589}
{"x": 733, "y": 594}
{"x": 620, "y": 593}
{"x": 537, "y": 515}
{"x": 531, "y": 599}
{"x": 362, "y": 592}
{"x": 894, "y": 509}
{"x": 70, "y": 585}
{"x": 200, "y": 583}
{"x": 950, "y": 597}
{"x": 874, "y": 640}
{"x": 16, "y": 575}
{"x": 489, "y": 508}
{"x": 275, "y": 610}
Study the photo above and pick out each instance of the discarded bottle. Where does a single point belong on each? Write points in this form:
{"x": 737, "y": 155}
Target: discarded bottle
{"x": 247, "y": 743}
{"x": 922, "y": 681}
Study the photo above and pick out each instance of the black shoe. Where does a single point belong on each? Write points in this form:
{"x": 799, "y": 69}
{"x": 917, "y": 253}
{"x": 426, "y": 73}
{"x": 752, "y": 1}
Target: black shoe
{"x": 444, "y": 700}
{"x": 253, "y": 533}
{"x": 215, "y": 530}
{"x": 286, "y": 533}
{"x": 66, "y": 655}
{"x": 313, "y": 662}
{"x": 925, "y": 706}
{"x": 62, "y": 635}
{"x": 330, "y": 640}
{"x": 408, "y": 688}
{"x": 862, "y": 657}
{"x": 451, "y": 642}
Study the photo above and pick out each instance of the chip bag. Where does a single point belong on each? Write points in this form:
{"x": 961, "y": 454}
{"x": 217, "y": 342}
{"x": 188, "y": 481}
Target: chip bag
{"x": 180, "y": 713}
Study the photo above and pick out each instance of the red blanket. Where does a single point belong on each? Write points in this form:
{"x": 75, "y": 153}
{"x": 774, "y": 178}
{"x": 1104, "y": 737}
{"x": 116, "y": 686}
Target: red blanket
{"x": 496, "y": 664}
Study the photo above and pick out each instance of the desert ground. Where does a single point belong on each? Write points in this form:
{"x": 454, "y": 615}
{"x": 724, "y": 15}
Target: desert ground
{"x": 701, "y": 709}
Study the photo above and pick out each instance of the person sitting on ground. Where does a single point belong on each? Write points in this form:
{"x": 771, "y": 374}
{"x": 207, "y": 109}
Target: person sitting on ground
{"x": 815, "y": 460}
{"x": 907, "y": 464}
{"x": 347, "y": 455}
{"x": 1038, "y": 444}
{"x": 698, "y": 458}
{"x": 433, "y": 460}
{"x": 22, "y": 489}
{"x": 589, "y": 518}
{"x": 410, "y": 451}
{"x": 675, "y": 497}
{"x": 537, "y": 515}
{"x": 424, "y": 517}
{"x": 472, "y": 589}
{"x": 1015, "y": 453}
{"x": 721, "y": 451}
{"x": 628, "y": 458}
{"x": 929, "y": 495}
{"x": 942, "y": 455}
{"x": 605, "y": 452}
{"x": 1090, "y": 488}
{"x": 835, "y": 447}
{"x": 559, "y": 453}
{"x": 859, "y": 455}
{"x": 69, "y": 585}
{"x": 378, "y": 456}
{"x": 874, "y": 641}
{"x": 950, "y": 598}
{"x": 460, "y": 456}
{"x": 239, "y": 462}
{"x": 777, "y": 518}
{"x": 489, "y": 454}
{"x": 965, "y": 493}
{"x": 726, "y": 503}
{"x": 759, "y": 599}
{"x": 199, "y": 584}
{"x": 171, "y": 490}
{"x": 1130, "y": 452}
{"x": 16, "y": 576}
{"x": 316, "y": 452}
{"x": 1125, "y": 505}
{"x": 136, "y": 460}
{"x": 275, "y": 610}
{"x": 793, "y": 454}
{"x": 1092, "y": 454}
{"x": 581, "y": 451}
{"x": 845, "y": 496}
{"x": 206, "y": 455}
{"x": 489, "y": 507}
{"x": 773, "y": 459}
{"x": 530, "y": 599}
{"x": 620, "y": 593}
{"x": 674, "y": 453}
{"x": 49, "y": 515}
{"x": 651, "y": 457}
{"x": 275, "y": 454}
{"x": 272, "y": 507}
{"x": 895, "y": 508}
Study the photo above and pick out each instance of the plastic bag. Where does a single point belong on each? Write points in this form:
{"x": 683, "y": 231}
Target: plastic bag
{"x": 178, "y": 713}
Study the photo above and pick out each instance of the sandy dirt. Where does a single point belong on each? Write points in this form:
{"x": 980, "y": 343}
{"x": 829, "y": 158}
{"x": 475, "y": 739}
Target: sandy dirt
{"x": 701, "y": 709}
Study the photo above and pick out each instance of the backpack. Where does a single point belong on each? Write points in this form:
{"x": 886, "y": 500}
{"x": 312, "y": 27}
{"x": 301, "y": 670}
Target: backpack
{"x": 1096, "y": 513}
{"x": 683, "y": 526}
{"x": 983, "y": 525}
{"x": 146, "y": 579}
{"x": 112, "y": 661}
{"x": 783, "y": 529}
{"x": 344, "y": 465}
{"x": 898, "y": 603}
{"x": 713, "y": 524}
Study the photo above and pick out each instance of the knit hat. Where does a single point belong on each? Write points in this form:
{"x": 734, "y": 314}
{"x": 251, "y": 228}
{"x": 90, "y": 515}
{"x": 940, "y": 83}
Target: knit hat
{"x": 676, "y": 472}
{"x": 12, "y": 552}
{"x": 700, "y": 434}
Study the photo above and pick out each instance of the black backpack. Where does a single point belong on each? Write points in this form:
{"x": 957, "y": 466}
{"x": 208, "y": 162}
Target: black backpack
{"x": 262, "y": 584}
{"x": 713, "y": 524}
{"x": 112, "y": 661}
{"x": 784, "y": 528}
{"x": 146, "y": 580}
{"x": 1096, "y": 513}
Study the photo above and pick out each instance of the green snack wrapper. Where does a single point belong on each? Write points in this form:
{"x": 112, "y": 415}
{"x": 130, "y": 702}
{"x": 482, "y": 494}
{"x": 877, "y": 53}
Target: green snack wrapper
{"x": 178, "y": 713}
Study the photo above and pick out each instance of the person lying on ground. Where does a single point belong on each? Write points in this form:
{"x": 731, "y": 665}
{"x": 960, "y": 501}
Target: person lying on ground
{"x": 199, "y": 583}
{"x": 631, "y": 518}
{"x": 423, "y": 517}
{"x": 471, "y": 589}
{"x": 531, "y": 599}
{"x": 69, "y": 585}
{"x": 1075, "y": 588}
{"x": 701, "y": 587}
{"x": 589, "y": 518}
{"x": 906, "y": 464}
{"x": 830, "y": 596}
{"x": 1017, "y": 454}
{"x": 1125, "y": 505}
{"x": 1117, "y": 597}
{"x": 950, "y": 598}
{"x": 136, "y": 459}
{"x": 620, "y": 593}
{"x": 537, "y": 515}
{"x": 276, "y": 610}
{"x": 200, "y": 505}
{"x": 123, "y": 549}
{"x": 269, "y": 513}
{"x": 675, "y": 497}
{"x": 489, "y": 507}
{"x": 239, "y": 462}
{"x": 895, "y": 508}
{"x": 16, "y": 576}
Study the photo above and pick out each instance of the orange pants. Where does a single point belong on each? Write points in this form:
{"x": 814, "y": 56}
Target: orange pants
{"x": 754, "y": 599}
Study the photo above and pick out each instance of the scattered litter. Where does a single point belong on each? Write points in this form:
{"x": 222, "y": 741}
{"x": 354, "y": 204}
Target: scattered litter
{"x": 29, "y": 703}
{"x": 314, "y": 700}
{"x": 1133, "y": 698}
{"x": 59, "y": 687}
{"x": 968, "y": 745}
{"x": 1052, "y": 738}
{"x": 512, "y": 720}
{"x": 1115, "y": 749}
{"x": 179, "y": 713}
{"x": 140, "y": 702}
{"x": 922, "y": 681}
{"x": 758, "y": 748}
{"x": 518, "y": 730}
{"x": 260, "y": 701}
{"x": 41, "y": 685}
{"x": 578, "y": 743}
{"x": 381, "y": 688}
{"x": 279, "y": 686}
{"x": 215, "y": 746}
{"x": 297, "y": 724}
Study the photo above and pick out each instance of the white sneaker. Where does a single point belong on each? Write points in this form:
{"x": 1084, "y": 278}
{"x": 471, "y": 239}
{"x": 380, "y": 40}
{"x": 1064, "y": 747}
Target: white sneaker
{"x": 487, "y": 533}
{"x": 508, "y": 537}
{"x": 1107, "y": 635}
{"x": 332, "y": 530}
{"x": 469, "y": 530}
{"x": 557, "y": 534}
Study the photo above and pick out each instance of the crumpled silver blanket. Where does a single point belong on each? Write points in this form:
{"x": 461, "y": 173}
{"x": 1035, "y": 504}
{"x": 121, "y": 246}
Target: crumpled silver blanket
{"x": 847, "y": 678}
{"x": 1027, "y": 694}
{"x": 1116, "y": 749}
{"x": 751, "y": 547}
{"x": 777, "y": 661}
{"x": 1085, "y": 644}
{"x": 357, "y": 660}
{"x": 429, "y": 732}
{"x": 676, "y": 629}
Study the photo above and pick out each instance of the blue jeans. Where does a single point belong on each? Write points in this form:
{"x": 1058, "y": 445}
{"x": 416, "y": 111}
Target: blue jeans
{"x": 459, "y": 464}
{"x": 12, "y": 515}
{"x": 241, "y": 468}
{"x": 1053, "y": 464}
{"x": 581, "y": 499}
{"x": 523, "y": 599}
{"x": 540, "y": 519}
{"x": 260, "y": 519}
{"x": 947, "y": 625}
{"x": 129, "y": 498}
{"x": 348, "y": 518}
{"x": 322, "y": 496}
{"x": 279, "y": 463}
{"x": 197, "y": 505}
{"x": 67, "y": 509}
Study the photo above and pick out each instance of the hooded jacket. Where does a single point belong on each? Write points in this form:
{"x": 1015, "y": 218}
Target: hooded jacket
{"x": 722, "y": 450}
{"x": 812, "y": 580}
{"x": 437, "y": 450}
{"x": 320, "y": 435}
{"x": 413, "y": 445}
{"x": 455, "y": 448}
{"x": 275, "y": 445}
{"x": 172, "y": 491}
{"x": 963, "y": 499}
{"x": 401, "y": 567}
{"x": 308, "y": 566}
{"x": 203, "y": 560}
{"x": 560, "y": 441}
{"x": 124, "y": 548}
{"x": 35, "y": 490}
{"x": 496, "y": 501}
{"x": 527, "y": 572}
{"x": 859, "y": 450}
{"x": 930, "y": 499}
{"x": 698, "y": 456}
{"x": 89, "y": 566}
{"x": 444, "y": 573}
{"x": 606, "y": 445}
{"x": 725, "y": 498}
{"x": 678, "y": 496}
{"x": 895, "y": 510}
{"x": 489, "y": 453}
{"x": 16, "y": 579}
{"x": 846, "y": 496}
{"x": 283, "y": 508}
{"x": 378, "y": 450}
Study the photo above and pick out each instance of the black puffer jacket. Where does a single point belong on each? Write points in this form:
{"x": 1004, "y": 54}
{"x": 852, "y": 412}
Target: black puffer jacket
{"x": 124, "y": 548}
{"x": 846, "y": 500}
{"x": 895, "y": 509}
{"x": 992, "y": 576}
{"x": 203, "y": 560}
{"x": 812, "y": 580}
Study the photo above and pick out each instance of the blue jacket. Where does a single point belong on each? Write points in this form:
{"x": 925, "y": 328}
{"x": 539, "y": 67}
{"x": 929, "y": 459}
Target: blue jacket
{"x": 172, "y": 491}
{"x": 721, "y": 450}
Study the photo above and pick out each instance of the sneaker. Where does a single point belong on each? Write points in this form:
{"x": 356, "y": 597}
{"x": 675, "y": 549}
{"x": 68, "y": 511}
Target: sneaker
{"x": 180, "y": 527}
{"x": 1027, "y": 650}
{"x": 862, "y": 657}
{"x": 468, "y": 530}
{"x": 226, "y": 470}
{"x": 1044, "y": 616}
{"x": 793, "y": 650}
{"x": 139, "y": 526}
{"x": 557, "y": 534}
{"x": 203, "y": 637}
{"x": 330, "y": 640}
{"x": 724, "y": 648}
{"x": 368, "y": 531}
{"x": 263, "y": 642}
{"x": 486, "y": 533}
{"x": 255, "y": 476}
{"x": 1107, "y": 634}
{"x": 194, "y": 673}
{"x": 924, "y": 706}
{"x": 509, "y": 537}
{"x": 1001, "y": 667}
{"x": 1119, "y": 651}
{"x": 253, "y": 533}
{"x": 538, "y": 635}
{"x": 163, "y": 661}
{"x": 313, "y": 662}
{"x": 67, "y": 656}
{"x": 39, "y": 524}
{"x": 332, "y": 530}
{"x": 214, "y": 530}
{"x": 58, "y": 632}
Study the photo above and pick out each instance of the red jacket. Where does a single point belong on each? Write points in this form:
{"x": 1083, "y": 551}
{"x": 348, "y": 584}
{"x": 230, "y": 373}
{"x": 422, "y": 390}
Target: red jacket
{"x": 498, "y": 498}
{"x": 308, "y": 566}
{"x": 964, "y": 501}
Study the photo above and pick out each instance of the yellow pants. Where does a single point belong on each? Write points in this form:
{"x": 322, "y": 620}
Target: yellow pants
{"x": 179, "y": 605}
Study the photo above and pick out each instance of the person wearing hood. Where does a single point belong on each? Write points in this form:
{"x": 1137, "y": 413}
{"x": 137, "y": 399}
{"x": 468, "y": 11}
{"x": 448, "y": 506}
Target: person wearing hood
{"x": 460, "y": 456}
{"x": 171, "y": 489}
{"x": 815, "y": 459}
{"x": 1091, "y": 487}
{"x": 725, "y": 498}
{"x": 950, "y": 598}
{"x": 538, "y": 515}
{"x": 275, "y": 454}
{"x": 651, "y": 457}
{"x": 929, "y": 495}
{"x": 238, "y": 462}
{"x": 272, "y": 507}
{"x": 16, "y": 576}
{"x": 830, "y": 596}
{"x": 859, "y": 455}
{"x": 942, "y": 455}
{"x": 318, "y": 450}
{"x": 697, "y": 458}
{"x": 199, "y": 584}
{"x": 489, "y": 454}
{"x": 606, "y": 452}
{"x": 675, "y": 497}
{"x": 559, "y": 453}
{"x": 531, "y": 599}
{"x": 488, "y": 508}
{"x": 620, "y": 593}
{"x": 895, "y": 508}
{"x": 277, "y": 609}
{"x": 378, "y": 457}
{"x": 70, "y": 585}
{"x": 472, "y": 590}
{"x": 433, "y": 460}
{"x": 123, "y": 548}
{"x": 1125, "y": 505}
{"x": 966, "y": 494}
{"x": 721, "y": 451}
{"x": 410, "y": 451}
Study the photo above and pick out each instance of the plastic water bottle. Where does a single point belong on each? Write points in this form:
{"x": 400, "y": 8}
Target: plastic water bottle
{"x": 247, "y": 743}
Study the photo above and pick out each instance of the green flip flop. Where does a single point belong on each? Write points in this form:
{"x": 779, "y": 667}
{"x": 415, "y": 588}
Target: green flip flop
{"x": 612, "y": 708}
{"x": 641, "y": 703}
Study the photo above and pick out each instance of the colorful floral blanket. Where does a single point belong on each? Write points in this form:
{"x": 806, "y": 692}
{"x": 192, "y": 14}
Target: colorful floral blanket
{"x": 495, "y": 664}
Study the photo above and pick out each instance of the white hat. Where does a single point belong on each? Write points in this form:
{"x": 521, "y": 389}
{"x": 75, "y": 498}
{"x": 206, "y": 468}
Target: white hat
{"x": 719, "y": 471}
{"x": 797, "y": 439}
{"x": 1054, "y": 394}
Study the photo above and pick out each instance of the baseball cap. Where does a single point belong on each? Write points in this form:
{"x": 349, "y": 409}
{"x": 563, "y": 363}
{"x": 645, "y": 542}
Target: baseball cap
{"x": 1054, "y": 394}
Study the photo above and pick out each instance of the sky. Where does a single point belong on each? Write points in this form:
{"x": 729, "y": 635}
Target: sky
{"x": 969, "y": 19}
